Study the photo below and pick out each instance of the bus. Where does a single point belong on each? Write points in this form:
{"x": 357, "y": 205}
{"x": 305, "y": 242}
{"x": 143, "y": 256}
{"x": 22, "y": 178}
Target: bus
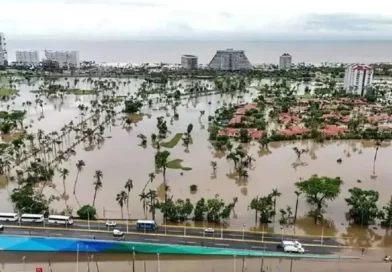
{"x": 146, "y": 225}
{"x": 9, "y": 217}
{"x": 60, "y": 219}
{"x": 32, "y": 218}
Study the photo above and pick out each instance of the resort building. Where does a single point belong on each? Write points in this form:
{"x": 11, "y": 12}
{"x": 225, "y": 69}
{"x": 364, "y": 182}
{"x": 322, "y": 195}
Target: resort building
{"x": 3, "y": 50}
{"x": 25, "y": 57}
{"x": 285, "y": 61}
{"x": 230, "y": 60}
{"x": 189, "y": 62}
{"x": 357, "y": 78}
{"x": 63, "y": 58}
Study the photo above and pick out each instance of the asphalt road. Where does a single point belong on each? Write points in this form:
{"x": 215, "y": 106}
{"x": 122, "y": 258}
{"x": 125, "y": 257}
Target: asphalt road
{"x": 174, "y": 235}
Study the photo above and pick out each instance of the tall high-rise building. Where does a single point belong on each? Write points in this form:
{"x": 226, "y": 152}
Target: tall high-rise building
{"x": 26, "y": 57}
{"x": 285, "y": 61}
{"x": 189, "y": 62}
{"x": 357, "y": 78}
{"x": 63, "y": 58}
{"x": 230, "y": 60}
{"x": 3, "y": 50}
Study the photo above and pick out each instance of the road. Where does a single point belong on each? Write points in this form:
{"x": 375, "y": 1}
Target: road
{"x": 172, "y": 235}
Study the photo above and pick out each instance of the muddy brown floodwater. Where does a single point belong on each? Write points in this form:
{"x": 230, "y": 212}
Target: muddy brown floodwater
{"x": 121, "y": 158}
{"x": 65, "y": 262}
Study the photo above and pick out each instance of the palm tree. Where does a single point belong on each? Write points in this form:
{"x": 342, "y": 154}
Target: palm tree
{"x": 152, "y": 194}
{"x": 121, "y": 198}
{"x": 144, "y": 197}
{"x": 275, "y": 193}
{"x": 64, "y": 174}
{"x": 97, "y": 183}
{"x": 151, "y": 178}
{"x": 129, "y": 187}
{"x": 297, "y": 193}
{"x": 79, "y": 166}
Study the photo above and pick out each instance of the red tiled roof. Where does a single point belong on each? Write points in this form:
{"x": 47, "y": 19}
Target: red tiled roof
{"x": 254, "y": 133}
{"x": 294, "y": 130}
{"x": 359, "y": 67}
{"x": 240, "y": 111}
{"x": 229, "y": 131}
{"x": 236, "y": 120}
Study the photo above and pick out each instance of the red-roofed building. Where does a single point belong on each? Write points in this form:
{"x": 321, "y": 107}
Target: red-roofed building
{"x": 255, "y": 134}
{"x": 294, "y": 130}
{"x": 229, "y": 132}
{"x": 288, "y": 118}
{"x": 240, "y": 111}
{"x": 332, "y": 130}
{"x": 236, "y": 119}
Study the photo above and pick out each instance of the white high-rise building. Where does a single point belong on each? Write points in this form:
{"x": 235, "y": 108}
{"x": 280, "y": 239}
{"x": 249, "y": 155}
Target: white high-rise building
{"x": 64, "y": 58}
{"x": 189, "y": 62}
{"x": 3, "y": 50}
{"x": 285, "y": 62}
{"x": 25, "y": 57}
{"x": 230, "y": 60}
{"x": 357, "y": 78}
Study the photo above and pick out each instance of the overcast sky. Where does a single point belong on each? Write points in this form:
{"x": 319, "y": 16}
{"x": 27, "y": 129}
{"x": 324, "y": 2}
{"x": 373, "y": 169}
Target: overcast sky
{"x": 198, "y": 19}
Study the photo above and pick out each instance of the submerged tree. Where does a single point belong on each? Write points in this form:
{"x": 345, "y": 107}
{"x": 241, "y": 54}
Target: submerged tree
{"x": 363, "y": 206}
{"x": 97, "y": 183}
{"x": 79, "y": 166}
{"x": 121, "y": 199}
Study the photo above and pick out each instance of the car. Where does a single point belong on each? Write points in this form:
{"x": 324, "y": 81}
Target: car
{"x": 111, "y": 224}
{"x": 118, "y": 233}
{"x": 1, "y": 227}
{"x": 209, "y": 230}
{"x": 288, "y": 243}
{"x": 294, "y": 249}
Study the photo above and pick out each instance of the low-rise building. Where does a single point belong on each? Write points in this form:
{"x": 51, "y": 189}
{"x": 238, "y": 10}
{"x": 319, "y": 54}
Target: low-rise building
{"x": 189, "y": 62}
{"x": 26, "y": 57}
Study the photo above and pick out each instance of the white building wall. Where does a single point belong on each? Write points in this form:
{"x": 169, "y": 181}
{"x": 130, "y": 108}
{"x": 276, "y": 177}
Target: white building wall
{"x": 64, "y": 58}
{"x": 27, "y": 57}
{"x": 3, "y": 49}
{"x": 285, "y": 62}
{"x": 357, "y": 78}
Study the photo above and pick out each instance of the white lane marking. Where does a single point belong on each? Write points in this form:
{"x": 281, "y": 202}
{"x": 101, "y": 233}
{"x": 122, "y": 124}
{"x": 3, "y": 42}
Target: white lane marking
{"x": 57, "y": 234}
{"x": 259, "y": 247}
{"x": 235, "y": 235}
{"x": 177, "y": 231}
{"x": 153, "y": 240}
{"x": 187, "y": 242}
{"x": 222, "y": 244}
{"x": 26, "y": 232}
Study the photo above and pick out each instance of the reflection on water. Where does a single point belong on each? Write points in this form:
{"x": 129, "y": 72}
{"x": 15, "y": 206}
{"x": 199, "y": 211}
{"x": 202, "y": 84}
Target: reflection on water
{"x": 120, "y": 158}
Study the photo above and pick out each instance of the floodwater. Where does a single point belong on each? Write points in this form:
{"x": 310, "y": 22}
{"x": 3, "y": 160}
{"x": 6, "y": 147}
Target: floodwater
{"x": 120, "y": 158}
{"x": 64, "y": 262}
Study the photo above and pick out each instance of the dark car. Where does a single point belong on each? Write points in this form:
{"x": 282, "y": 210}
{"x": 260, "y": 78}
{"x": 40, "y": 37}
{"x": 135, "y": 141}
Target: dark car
{"x": 1, "y": 227}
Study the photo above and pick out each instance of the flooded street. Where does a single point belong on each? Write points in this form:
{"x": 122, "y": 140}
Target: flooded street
{"x": 120, "y": 157}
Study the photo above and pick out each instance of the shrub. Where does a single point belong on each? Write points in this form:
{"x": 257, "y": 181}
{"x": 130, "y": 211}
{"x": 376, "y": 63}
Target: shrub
{"x": 87, "y": 212}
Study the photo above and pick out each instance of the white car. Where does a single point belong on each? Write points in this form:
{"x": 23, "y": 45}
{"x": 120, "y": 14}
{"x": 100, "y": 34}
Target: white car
{"x": 111, "y": 224}
{"x": 118, "y": 233}
{"x": 1, "y": 227}
{"x": 288, "y": 243}
{"x": 294, "y": 249}
{"x": 209, "y": 230}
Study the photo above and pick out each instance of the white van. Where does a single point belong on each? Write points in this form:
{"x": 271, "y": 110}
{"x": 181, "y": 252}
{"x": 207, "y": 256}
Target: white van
{"x": 60, "y": 219}
{"x": 294, "y": 249}
{"x": 9, "y": 217}
{"x": 289, "y": 243}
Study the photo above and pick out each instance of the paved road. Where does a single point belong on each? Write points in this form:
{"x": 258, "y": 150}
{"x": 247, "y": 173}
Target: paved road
{"x": 174, "y": 235}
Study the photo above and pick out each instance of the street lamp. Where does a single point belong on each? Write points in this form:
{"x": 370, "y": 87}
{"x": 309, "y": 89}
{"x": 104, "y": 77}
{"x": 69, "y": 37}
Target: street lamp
{"x": 243, "y": 231}
{"x": 282, "y": 228}
{"x": 222, "y": 229}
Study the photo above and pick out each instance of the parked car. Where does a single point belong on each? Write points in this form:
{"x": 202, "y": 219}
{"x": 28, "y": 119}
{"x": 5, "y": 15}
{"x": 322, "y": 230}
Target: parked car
{"x": 288, "y": 243}
{"x": 1, "y": 227}
{"x": 118, "y": 233}
{"x": 111, "y": 224}
{"x": 209, "y": 230}
{"x": 294, "y": 249}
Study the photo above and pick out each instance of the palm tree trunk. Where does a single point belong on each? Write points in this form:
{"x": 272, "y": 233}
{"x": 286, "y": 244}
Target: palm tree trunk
{"x": 122, "y": 215}
{"x": 95, "y": 195}
{"x": 164, "y": 182}
{"x": 296, "y": 209}
{"x": 128, "y": 206}
{"x": 274, "y": 207}
{"x": 76, "y": 181}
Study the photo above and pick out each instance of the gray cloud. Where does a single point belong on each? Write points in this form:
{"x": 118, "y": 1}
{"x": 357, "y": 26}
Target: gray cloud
{"x": 131, "y": 3}
{"x": 346, "y": 22}
{"x": 226, "y": 14}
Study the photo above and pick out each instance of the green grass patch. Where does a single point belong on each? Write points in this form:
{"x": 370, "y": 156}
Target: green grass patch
{"x": 176, "y": 164}
{"x": 173, "y": 142}
{"x": 81, "y": 92}
{"x": 308, "y": 95}
{"x": 8, "y": 92}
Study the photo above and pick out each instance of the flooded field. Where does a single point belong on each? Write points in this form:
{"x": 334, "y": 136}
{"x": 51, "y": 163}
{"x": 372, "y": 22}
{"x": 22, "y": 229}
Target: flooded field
{"x": 149, "y": 263}
{"x": 120, "y": 157}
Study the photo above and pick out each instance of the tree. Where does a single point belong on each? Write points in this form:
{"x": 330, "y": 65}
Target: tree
{"x": 151, "y": 178}
{"x": 189, "y": 129}
{"x": 263, "y": 205}
{"x": 161, "y": 160}
{"x": 122, "y": 198}
{"x": 275, "y": 193}
{"x": 87, "y": 212}
{"x": 97, "y": 183}
{"x": 143, "y": 198}
{"x": 64, "y": 174}
{"x": 244, "y": 136}
{"x": 317, "y": 191}
{"x": 79, "y": 166}
{"x": 200, "y": 209}
{"x": 297, "y": 193}
{"x": 129, "y": 187}
{"x": 363, "y": 206}
{"x": 153, "y": 196}
{"x": 27, "y": 201}
{"x": 387, "y": 214}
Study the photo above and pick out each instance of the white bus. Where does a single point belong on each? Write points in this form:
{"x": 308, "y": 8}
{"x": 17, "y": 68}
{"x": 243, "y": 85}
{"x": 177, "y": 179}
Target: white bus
{"x": 32, "y": 218}
{"x": 11, "y": 217}
{"x": 60, "y": 219}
